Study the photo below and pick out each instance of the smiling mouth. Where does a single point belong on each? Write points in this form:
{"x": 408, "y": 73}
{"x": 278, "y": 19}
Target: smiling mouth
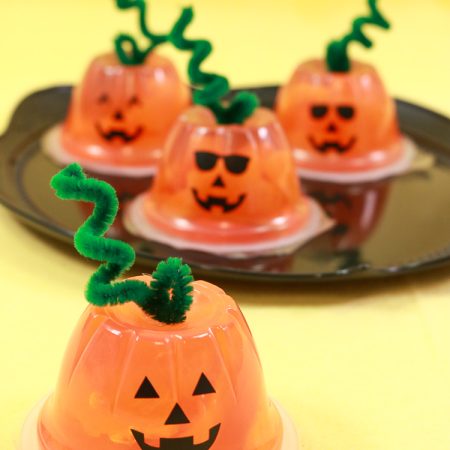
{"x": 218, "y": 201}
{"x": 120, "y": 134}
{"x": 186, "y": 443}
{"x": 332, "y": 145}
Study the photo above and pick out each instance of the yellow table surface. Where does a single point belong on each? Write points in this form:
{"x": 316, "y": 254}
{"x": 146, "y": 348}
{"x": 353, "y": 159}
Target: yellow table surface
{"x": 359, "y": 366}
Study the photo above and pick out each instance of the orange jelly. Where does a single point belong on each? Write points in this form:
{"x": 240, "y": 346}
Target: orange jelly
{"x": 129, "y": 382}
{"x": 226, "y": 184}
{"x": 120, "y": 115}
{"x": 340, "y": 121}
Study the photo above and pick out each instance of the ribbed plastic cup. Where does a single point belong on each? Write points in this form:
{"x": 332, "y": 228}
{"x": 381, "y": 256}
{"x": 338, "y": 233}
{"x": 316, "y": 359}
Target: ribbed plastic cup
{"x": 340, "y": 122}
{"x": 128, "y": 382}
{"x": 225, "y": 189}
{"x": 119, "y": 116}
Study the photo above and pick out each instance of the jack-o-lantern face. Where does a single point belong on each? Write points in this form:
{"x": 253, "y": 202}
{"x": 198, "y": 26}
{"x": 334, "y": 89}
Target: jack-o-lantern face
{"x": 207, "y": 161}
{"x": 333, "y": 124}
{"x": 339, "y": 121}
{"x": 226, "y": 183}
{"x": 120, "y": 115}
{"x": 177, "y": 417}
{"x": 119, "y": 124}
{"x": 129, "y": 382}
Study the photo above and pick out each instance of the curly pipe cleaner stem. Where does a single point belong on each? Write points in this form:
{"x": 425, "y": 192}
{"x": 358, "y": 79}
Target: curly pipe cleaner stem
{"x": 213, "y": 87}
{"x": 136, "y": 56}
{"x": 337, "y": 51}
{"x": 168, "y": 297}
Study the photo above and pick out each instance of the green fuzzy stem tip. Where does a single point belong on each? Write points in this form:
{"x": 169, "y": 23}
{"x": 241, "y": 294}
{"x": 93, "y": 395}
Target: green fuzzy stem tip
{"x": 127, "y": 48}
{"x": 337, "y": 51}
{"x": 210, "y": 88}
{"x": 168, "y": 297}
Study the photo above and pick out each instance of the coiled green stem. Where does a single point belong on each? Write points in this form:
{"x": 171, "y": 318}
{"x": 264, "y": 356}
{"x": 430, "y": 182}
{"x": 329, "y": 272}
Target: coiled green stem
{"x": 210, "y": 88}
{"x": 337, "y": 51}
{"x": 133, "y": 55}
{"x": 168, "y": 297}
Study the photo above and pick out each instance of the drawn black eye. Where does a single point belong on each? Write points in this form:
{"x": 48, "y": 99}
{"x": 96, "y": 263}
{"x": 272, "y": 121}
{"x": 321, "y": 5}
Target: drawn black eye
{"x": 346, "y": 112}
{"x": 236, "y": 164}
{"x": 146, "y": 390}
{"x": 203, "y": 386}
{"x": 205, "y": 160}
{"x": 104, "y": 98}
{"x": 134, "y": 101}
{"x": 319, "y": 111}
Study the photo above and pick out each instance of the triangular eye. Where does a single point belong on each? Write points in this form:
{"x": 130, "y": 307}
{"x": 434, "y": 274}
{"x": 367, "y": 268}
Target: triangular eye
{"x": 146, "y": 390}
{"x": 203, "y": 386}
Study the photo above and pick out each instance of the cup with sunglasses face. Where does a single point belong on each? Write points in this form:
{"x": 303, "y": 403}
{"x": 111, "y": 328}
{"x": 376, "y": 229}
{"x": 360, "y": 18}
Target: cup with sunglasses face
{"x": 223, "y": 186}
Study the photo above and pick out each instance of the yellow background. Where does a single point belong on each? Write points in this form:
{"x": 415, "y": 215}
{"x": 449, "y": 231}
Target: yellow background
{"x": 360, "y": 366}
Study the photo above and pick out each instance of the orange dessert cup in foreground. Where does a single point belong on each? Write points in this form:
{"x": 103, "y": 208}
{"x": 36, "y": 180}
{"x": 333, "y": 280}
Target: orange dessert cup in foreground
{"x": 155, "y": 362}
{"x": 130, "y": 382}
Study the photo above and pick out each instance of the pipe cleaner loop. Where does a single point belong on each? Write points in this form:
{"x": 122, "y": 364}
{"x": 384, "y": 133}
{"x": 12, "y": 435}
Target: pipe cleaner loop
{"x": 211, "y": 88}
{"x": 167, "y": 301}
{"x": 171, "y": 291}
{"x": 337, "y": 51}
{"x": 126, "y": 46}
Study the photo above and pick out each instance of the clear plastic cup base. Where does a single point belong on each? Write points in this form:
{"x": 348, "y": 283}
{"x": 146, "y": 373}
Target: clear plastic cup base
{"x": 399, "y": 167}
{"x": 136, "y": 222}
{"x": 52, "y": 147}
{"x": 30, "y": 441}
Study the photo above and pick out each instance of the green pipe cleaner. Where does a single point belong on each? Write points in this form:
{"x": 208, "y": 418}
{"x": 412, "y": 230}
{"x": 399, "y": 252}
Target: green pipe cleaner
{"x": 337, "y": 51}
{"x": 134, "y": 55}
{"x": 210, "y": 88}
{"x": 169, "y": 295}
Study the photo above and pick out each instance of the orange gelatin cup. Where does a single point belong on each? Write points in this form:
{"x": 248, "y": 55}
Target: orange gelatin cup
{"x": 120, "y": 115}
{"x": 340, "y": 122}
{"x": 129, "y": 382}
{"x": 226, "y": 184}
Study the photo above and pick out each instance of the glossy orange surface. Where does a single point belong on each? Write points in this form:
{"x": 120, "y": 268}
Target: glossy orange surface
{"x": 226, "y": 183}
{"x": 120, "y": 115}
{"x": 129, "y": 382}
{"x": 340, "y": 122}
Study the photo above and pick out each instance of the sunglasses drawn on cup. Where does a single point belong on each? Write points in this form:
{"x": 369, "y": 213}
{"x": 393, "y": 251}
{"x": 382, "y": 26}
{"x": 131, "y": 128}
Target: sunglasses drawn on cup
{"x": 206, "y": 161}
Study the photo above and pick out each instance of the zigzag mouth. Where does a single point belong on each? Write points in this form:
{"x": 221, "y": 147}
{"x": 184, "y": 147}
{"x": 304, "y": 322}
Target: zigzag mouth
{"x": 118, "y": 133}
{"x": 325, "y": 146}
{"x": 185, "y": 443}
{"x": 218, "y": 201}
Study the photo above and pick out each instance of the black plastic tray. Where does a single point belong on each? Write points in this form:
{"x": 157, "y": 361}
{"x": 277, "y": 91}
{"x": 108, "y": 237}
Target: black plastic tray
{"x": 387, "y": 228}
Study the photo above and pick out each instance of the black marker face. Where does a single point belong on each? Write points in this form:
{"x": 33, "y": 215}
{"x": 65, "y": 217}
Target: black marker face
{"x": 112, "y": 121}
{"x": 204, "y": 386}
{"x": 346, "y": 112}
{"x": 146, "y": 390}
{"x": 235, "y": 164}
{"x": 177, "y": 417}
{"x": 206, "y": 161}
{"x": 319, "y": 111}
{"x": 118, "y": 134}
{"x": 333, "y": 119}
{"x": 220, "y": 202}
